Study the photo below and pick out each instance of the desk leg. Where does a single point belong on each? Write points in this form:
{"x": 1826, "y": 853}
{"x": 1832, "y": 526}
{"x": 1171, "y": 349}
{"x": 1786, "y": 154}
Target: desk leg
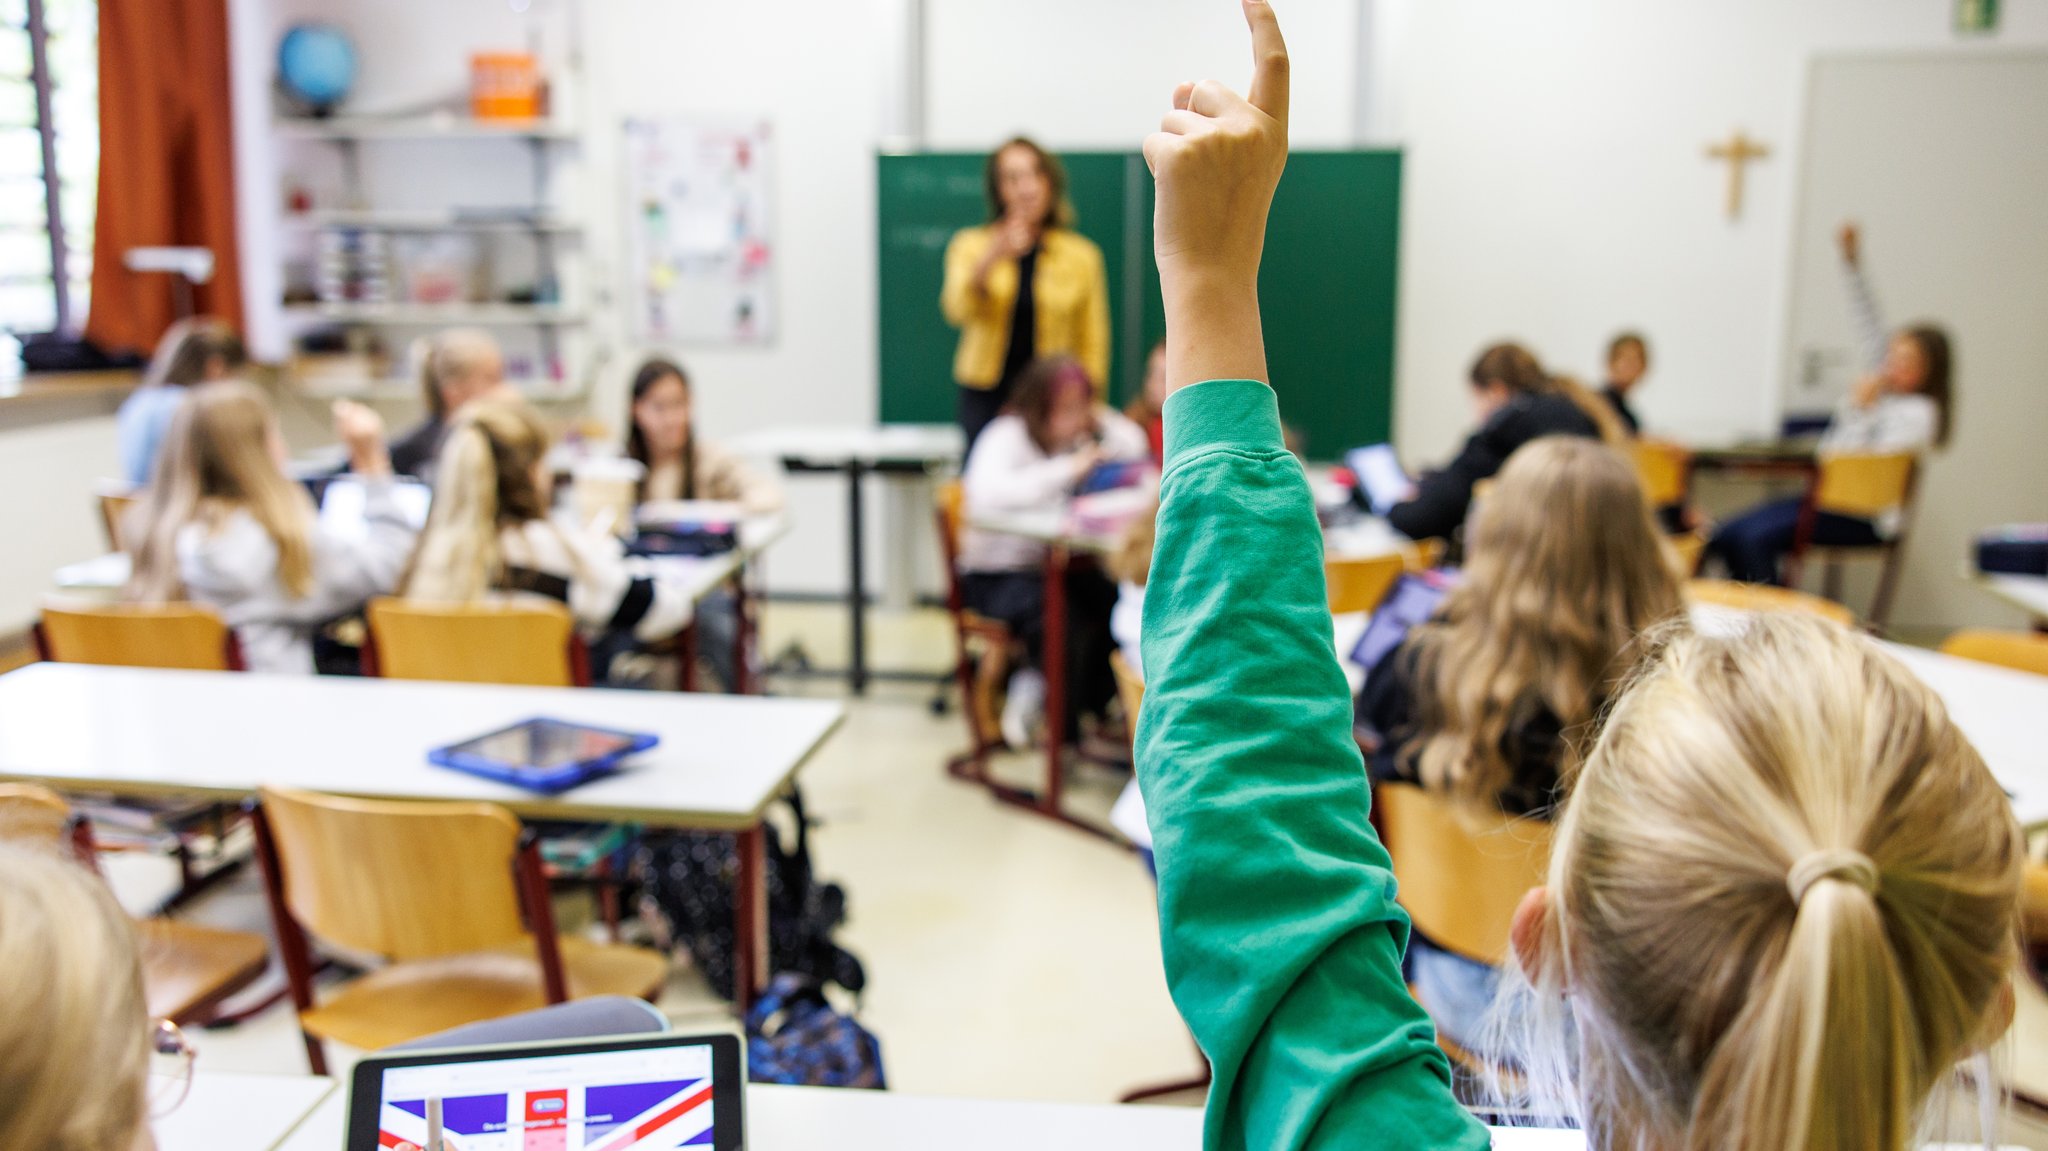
{"x": 856, "y": 587}
{"x": 750, "y": 926}
{"x": 1054, "y": 657}
{"x": 742, "y": 638}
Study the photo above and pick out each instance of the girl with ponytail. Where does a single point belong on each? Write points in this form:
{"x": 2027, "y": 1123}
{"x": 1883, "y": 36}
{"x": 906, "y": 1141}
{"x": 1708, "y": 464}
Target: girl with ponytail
{"x": 490, "y": 534}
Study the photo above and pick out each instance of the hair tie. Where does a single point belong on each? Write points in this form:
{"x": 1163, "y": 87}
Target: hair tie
{"x": 1843, "y": 863}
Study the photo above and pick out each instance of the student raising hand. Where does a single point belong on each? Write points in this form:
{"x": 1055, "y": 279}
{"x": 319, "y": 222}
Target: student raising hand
{"x": 1217, "y": 158}
{"x": 1277, "y": 921}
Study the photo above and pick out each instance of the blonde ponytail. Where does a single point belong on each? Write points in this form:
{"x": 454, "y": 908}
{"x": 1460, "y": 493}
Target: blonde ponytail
{"x": 1784, "y": 900}
{"x": 483, "y": 485}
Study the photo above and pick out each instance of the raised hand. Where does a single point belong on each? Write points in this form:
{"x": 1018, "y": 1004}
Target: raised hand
{"x": 361, "y": 431}
{"x": 1216, "y": 159}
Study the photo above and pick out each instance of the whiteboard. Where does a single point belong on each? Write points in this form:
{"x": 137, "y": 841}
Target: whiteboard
{"x": 700, "y": 253}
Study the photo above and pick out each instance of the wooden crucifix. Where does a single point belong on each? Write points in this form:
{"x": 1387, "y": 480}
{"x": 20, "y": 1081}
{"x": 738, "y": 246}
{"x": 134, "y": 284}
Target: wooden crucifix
{"x": 1737, "y": 152}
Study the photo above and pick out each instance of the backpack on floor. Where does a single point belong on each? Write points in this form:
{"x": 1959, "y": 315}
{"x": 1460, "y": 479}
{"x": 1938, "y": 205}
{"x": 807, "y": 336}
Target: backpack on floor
{"x": 687, "y": 880}
{"x": 797, "y": 1038}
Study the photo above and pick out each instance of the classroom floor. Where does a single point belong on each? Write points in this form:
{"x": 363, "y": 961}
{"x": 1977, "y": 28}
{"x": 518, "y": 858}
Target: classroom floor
{"x": 1009, "y": 957}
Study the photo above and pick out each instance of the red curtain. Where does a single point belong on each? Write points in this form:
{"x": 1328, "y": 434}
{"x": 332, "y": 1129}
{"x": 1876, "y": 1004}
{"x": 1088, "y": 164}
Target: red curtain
{"x": 167, "y": 164}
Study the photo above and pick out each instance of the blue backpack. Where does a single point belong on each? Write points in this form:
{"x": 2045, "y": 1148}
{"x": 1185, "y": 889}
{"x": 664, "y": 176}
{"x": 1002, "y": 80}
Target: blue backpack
{"x": 797, "y": 1038}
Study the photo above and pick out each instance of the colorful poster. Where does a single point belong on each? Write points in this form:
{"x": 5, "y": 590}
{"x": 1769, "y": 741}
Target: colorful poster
{"x": 619, "y": 1101}
{"x": 700, "y": 257}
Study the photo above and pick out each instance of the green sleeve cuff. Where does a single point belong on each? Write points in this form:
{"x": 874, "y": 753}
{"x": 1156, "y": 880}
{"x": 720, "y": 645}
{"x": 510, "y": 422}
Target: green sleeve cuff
{"x": 1233, "y": 415}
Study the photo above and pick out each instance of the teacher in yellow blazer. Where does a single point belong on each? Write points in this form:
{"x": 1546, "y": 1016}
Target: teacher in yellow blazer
{"x": 1023, "y": 285}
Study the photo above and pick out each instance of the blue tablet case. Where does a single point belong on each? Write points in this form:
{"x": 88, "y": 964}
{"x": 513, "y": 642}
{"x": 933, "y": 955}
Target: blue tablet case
{"x": 469, "y": 756}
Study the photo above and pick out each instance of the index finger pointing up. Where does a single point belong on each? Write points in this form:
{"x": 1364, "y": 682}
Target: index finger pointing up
{"x": 1269, "y": 60}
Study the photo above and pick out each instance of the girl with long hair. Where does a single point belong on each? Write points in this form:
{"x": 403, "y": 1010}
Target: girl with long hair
{"x": 224, "y": 526}
{"x": 192, "y": 351}
{"x": 1490, "y": 701}
{"x": 489, "y": 534}
{"x": 680, "y": 464}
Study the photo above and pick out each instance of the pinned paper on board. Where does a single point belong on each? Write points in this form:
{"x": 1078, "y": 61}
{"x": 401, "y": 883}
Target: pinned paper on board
{"x": 699, "y": 244}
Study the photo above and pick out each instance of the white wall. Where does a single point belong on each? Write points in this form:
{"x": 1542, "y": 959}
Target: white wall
{"x": 52, "y": 518}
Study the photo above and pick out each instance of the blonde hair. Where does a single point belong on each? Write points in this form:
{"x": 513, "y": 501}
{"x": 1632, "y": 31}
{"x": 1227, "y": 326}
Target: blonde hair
{"x": 1564, "y": 571}
{"x": 188, "y": 348}
{"x": 484, "y": 484}
{"x": 216, "y": 460}
{"x": 74, "y": 1037}
{"x": 1785, "y": 899}
{"x": 450, "y": 356}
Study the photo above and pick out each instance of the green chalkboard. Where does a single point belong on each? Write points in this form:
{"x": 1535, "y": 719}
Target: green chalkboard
{"x": 1327, "y": 287}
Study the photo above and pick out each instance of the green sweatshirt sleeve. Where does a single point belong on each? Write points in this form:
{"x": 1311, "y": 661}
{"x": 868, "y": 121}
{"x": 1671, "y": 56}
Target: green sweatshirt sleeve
{"x": 1276, "y": 901}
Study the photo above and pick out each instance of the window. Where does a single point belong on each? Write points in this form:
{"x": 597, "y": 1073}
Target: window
{"x": 49, "y": 161}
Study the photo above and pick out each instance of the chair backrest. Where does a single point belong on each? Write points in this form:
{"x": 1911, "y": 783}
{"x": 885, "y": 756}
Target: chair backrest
{"x": 2019, "y": 650}
{"x": 949, "y": 513}
{"x": 1665, "y": 469}
{"x": 403, "y": 880}
{"x": 1684, "y": 552}
{"x": 1461, "y": 872}
{"x": 1422, "y": 555}
{"x": 1358, "y": 585}
{"x": 532, "y": 643}
{"x": 115, "y": 504}
{"x": 33, "y": 814}
{"x": 1130, "y": 687}
{"x": 1864, "y": 485}
{"x": 1765, "y": 598}
{"x": 174, "y": 635}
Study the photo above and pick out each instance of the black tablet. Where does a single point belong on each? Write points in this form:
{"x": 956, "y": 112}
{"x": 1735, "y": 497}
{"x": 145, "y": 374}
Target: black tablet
{"x": 635, "y": 1094}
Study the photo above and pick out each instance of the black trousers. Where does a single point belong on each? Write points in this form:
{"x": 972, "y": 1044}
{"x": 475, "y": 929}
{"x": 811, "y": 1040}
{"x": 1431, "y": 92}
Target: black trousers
{"x": 978, "y": 407}
{"x": 1018, "y": 600}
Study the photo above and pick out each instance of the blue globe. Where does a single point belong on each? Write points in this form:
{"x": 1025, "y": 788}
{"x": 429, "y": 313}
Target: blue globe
{"x": 316, "y": 66}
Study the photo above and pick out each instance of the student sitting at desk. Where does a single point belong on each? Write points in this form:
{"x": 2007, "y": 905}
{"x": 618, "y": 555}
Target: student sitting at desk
{"x": 490, "y": 534}
{"x": 1033, "y": 457}
{"x": 682, "y": 466}
{"x": 1628, "y": 361}
{"x": 1490, "y": 701}
{"x": 1517, "y": 401}
{"x": 224, "y": 526}
{"x": 1905, "y": 404}
{"x": 1783, "y": 899}
{"x": 193, "y": 351}
{"x": 462, "y": 365}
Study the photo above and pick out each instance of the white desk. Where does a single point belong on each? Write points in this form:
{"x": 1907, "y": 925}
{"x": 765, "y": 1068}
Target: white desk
{"x": 900, "y": 451}
{"x": 2005, "y": 715}
{"x": 2027, "y": 593}
{"x": 227, "y": 1111}
{"x": 805, "y": 1118}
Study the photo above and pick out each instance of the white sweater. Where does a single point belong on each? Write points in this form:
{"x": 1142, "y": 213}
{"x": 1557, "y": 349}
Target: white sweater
{"x": 1894, "y": 423}
{"x": 232, "y": 568}
{"x": 1008, "y": 472}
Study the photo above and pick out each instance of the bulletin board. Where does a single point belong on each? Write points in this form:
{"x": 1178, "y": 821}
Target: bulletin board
{"x": 700, "y": 251}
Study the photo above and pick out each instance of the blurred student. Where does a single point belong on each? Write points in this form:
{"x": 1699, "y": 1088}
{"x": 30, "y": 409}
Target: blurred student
{"x": 1516, "y": 401}
{"x": 462, "y": 365}
{"x": 1905, "y": 404}
{"x": 1628, "y": 361}
{"x": 489, "y": 535}
{"x": 76, "y": 1040}
{"x": 1490, "y": 701}
{"x": 1034, "y": 457}
{"x": 1784, "y": 894}
{"x": 224, "y": 526}
{"x": 680, "y": 465}
{"x": 193, "y": 351}
{"x": 1147, "y": 408}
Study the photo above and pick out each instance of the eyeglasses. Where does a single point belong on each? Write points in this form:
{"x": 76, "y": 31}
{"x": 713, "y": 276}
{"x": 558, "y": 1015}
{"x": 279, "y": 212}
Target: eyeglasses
{"x": 171, "y": 1056}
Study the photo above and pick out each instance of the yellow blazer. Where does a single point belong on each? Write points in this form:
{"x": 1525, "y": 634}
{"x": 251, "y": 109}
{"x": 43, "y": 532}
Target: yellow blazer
{"x": 1069, "y": 290}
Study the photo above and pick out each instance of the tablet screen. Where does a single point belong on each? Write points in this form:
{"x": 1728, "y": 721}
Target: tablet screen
{"x": 344, "y": 502}
{"x": 546, "y": 743}
{"x": 1380, "y": 476}
{"x": 618, "y": 1096}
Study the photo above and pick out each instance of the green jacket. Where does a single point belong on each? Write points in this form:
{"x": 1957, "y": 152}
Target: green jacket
{"x": 1276, "y": 901}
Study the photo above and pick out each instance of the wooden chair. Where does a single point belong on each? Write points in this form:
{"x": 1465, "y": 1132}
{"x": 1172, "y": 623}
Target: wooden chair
{"x": 1130, "y": 688}
{"x": 1864, "y": 486}
{"x": 176, "y": 635}
{"x": 528, "y": 643}
{"x": 1358, "y": 585}
{"x": 116, "y": 499}
{"x": 2018, "y": 650}
{"x": 1460, "y": 874}
{"x": 983, "y": 648}
{"x": 1666, "y": 471}
{"x": 1765, "y": 598}
{"x": 438, "y": 889}
{"x": 1684, "y": 552}
{"x": 188, "y": 970}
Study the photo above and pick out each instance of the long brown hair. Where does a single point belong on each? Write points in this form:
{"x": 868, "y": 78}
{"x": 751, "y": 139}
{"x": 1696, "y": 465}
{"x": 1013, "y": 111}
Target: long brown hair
{"x": 1564, "y": 571}
{"x": 1785, "y": 903}
{"x": 1515, "y": 368}
{"x": 483, "y": 485}
{"x": 215, "y": 461}
{"x": 651, "y": 373}
{"x": 1935, "y": 348}
{"x": 1042, "y": 383}
{"x": 1059, "y": 212}
{"x": 187, "y": 349}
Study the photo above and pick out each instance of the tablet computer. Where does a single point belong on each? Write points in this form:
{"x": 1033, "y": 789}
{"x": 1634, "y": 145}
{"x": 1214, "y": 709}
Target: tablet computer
{"x": 544, "y": 755}
{"x": 637, "y": 1094}
{"x": 1381, "y": 479}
